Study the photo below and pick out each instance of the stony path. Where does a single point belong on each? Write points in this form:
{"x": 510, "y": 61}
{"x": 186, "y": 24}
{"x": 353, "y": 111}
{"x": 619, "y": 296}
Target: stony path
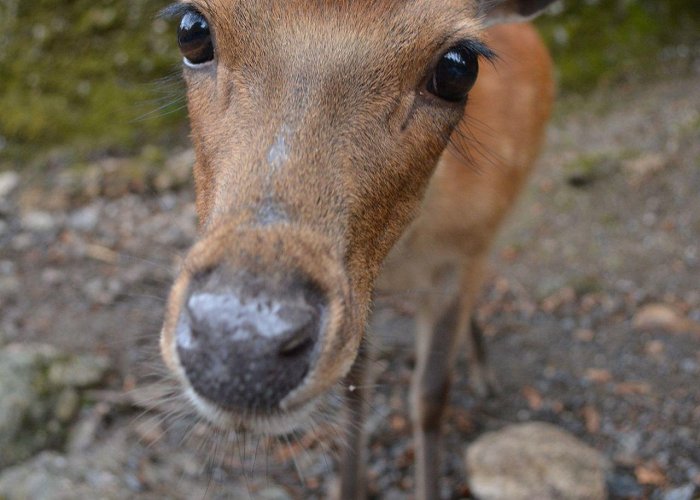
{"x": 592, "y": 315}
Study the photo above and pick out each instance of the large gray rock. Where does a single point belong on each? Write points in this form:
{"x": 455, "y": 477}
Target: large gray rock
{"x": 686, "y": 492}
{"x": 51, "y": 476}
{"x": 39, "y": 396}
{"x": 116, "y": 470}
{"x": 534, "y": 460}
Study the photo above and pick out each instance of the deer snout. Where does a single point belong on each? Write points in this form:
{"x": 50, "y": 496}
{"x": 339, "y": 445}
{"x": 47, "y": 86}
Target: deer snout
{"x": 245, "y": 348}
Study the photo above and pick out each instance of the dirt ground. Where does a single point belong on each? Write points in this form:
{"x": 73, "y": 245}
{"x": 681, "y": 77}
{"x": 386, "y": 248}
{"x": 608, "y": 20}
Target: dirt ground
{"x": 591, "y": 312}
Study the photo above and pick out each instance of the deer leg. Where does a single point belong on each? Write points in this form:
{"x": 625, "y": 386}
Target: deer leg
{"x": 437, "y": 346}
{"x": 481, "y": 378}
{"x": 430, "y": 391}
{"x": 353, "y": 471}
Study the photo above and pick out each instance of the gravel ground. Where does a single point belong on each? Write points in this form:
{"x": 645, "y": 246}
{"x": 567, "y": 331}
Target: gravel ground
{"x": 592, "y": 313}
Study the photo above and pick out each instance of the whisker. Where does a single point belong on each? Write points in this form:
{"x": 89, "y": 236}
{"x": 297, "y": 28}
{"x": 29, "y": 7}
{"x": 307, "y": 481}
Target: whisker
{"x": 294, "y": 460}
{"x": 144, "y": 296}
{"x": 255, "y": 455}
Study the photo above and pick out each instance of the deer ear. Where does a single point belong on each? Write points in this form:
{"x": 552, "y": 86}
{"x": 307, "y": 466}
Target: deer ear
{"x": 504, "y": 11}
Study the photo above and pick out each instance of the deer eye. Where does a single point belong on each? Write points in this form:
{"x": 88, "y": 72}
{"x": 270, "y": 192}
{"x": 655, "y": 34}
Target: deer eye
{"x": 194, "y": 39}
{"x": 455, "y": 74}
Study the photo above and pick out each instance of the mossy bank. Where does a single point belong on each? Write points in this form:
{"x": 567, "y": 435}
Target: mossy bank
{"x": 96, "y": 76}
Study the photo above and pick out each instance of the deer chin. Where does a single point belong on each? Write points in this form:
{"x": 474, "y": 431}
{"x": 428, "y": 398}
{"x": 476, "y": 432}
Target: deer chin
{"x": 271, "y": 423}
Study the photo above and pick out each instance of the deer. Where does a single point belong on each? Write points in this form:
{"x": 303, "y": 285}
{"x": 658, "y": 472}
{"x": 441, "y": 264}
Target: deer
{"x": 344, "y": 147}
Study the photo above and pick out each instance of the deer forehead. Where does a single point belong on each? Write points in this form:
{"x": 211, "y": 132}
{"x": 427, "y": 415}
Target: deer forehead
{"x": 286, "y": 63}
{"x": 254, "y": 32}
{"x": 299, "y": 84}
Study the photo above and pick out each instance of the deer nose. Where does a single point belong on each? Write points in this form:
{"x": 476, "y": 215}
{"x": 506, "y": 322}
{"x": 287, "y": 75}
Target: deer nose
{"x": 246, "y": 351}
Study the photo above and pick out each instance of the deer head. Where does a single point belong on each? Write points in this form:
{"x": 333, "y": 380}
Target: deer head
{"x": 317, "y": 125}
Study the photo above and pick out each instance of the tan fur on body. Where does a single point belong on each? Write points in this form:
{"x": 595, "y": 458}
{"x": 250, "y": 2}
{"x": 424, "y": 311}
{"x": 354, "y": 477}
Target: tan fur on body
{"x": 320, "y": 153}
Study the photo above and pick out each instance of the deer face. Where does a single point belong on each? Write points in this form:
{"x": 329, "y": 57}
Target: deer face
{"x": 317, "y": 125}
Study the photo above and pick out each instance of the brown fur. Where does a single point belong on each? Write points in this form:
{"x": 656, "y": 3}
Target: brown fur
{"x": 317, "y": 151}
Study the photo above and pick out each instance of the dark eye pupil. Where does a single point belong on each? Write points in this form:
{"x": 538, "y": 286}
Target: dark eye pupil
{"x": 194, "y": 38}
{"x": 455, "y": 75}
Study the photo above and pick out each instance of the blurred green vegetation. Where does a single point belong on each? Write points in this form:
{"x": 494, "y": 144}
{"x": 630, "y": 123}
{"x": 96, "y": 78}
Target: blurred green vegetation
{"x": 606, "y": 42}
{"x": 91, "y": 74}
{"x": 103, "y": 75}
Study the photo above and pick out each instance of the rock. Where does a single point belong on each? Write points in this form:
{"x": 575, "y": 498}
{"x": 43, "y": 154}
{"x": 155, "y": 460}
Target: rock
{"x": 67, "y": 405}
{"x": 111, "y": 470}
{"x": 80, "y": 372}
{"x": 394, "y": 494}
{"x": 52, "y": 476}
{"x": 7, "y": 209}
{"x": 628, "y": 444}
{"x": 534, "y": 460}
{"x": 150, "y": 430}
{"x": 84, "y": 432}
{"x": 273, "y": 493}
{"x": 120, "y": 176}
{"x": 650, "y": 474}
{"x": 85, "y": 219}
{"x": 177, "y": 172}
{"x": 9, "y": 286}
{"x": 38, "y": 221}
{"x": 664, "y": 317}
{"x": 22, "y": 241}
{"x": 91, "y": 182}
{"x": 623, "y": 485}
{"x": 39, "y": 396}
{"x": 686, "y": 492}
{"x": 9, "y": 181}
{"x": 100, "y": 290}
{"x": 640, "y": 168}
{"x": 7, "y": 267}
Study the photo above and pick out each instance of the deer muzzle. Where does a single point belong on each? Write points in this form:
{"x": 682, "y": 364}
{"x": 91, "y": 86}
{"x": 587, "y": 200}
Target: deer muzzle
{"x": 257, "y": 325}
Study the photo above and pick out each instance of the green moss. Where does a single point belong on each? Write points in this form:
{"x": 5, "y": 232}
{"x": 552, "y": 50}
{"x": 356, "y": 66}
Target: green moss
{"x": 586, "y": 284}
{"x": 608, "y": 41}
{"x": 96, "y": 75}
{"x": 586, "y": 165}
{"x": 83, "y": 72}
{"x": 589, "y": 168}
{"x": 610, "y": 220}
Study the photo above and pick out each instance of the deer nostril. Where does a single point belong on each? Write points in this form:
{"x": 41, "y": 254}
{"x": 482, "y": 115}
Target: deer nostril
{"x": 301, "y": 342}
{"x": 301, "y": 330}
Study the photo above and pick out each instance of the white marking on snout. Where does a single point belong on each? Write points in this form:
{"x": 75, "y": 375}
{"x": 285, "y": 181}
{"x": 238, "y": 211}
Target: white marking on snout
{"x": 230, "y": 314}
{"x": 271, "y": 212}
{"x": 183, "y": 334}
{"x": 278, "y": 154}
